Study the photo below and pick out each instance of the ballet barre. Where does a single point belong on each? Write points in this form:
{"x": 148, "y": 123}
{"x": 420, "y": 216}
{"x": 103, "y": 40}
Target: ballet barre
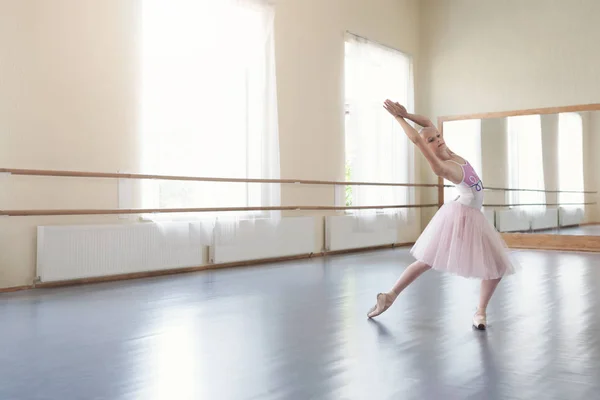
{"x": 540, "y": 204}
{"x": 116, "y": 175}
{"x": 539, "y": 190}
{"x": 117, "y": 211}
{"x": 119, "y": 175}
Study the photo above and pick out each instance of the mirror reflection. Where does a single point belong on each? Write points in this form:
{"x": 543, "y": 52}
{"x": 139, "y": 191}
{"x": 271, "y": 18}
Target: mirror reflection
{"x": 540, "y": 172}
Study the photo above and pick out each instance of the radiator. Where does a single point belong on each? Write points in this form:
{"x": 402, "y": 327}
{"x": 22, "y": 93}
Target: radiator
{"x": 342, "y": 233}
{"x": 512, "y": 221}
{"x": 261, "y": 240}
{"x": 547, "y": 220}
{"x": 84, "y": 251}
{"x": 570, "y": 216}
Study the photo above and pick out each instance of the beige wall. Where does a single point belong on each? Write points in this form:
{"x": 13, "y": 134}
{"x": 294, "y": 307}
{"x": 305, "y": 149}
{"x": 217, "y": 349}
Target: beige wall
{"x": 591, "y": 160}
{"x": 549, "y": 125}
{"x": 68, "y": 100}
{"x": 494, "y": 148}
{"x": 487, "y": 55}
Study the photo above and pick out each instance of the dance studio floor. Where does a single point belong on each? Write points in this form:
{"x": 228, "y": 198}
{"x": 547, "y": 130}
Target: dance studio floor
{"x": 585, "y": 230}
{"x": 299, "y": 331}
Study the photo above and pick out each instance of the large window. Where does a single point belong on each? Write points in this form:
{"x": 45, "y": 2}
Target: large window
{"x": 208, "y": 102}
{"x": 376, "y": 148}
{"x": 525, "y": 161}
{"x": 570, "y": 158}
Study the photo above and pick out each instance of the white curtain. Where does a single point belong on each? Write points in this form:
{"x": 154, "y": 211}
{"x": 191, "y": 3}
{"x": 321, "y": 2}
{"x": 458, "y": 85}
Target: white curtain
{"x": 570, "y": 159}
{"x": 464, "y": 139}
{"x": 377, "y": 150}
{"x": 209, "y": 104}
{"x": 525, "y": 163}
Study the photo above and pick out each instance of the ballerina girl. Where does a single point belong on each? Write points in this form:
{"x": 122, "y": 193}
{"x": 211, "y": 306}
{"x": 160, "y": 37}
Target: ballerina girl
{"x": 459, "y": 239}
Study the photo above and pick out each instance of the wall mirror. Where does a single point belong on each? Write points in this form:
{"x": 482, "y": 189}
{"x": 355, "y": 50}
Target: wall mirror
{"x": 540, "y": 171}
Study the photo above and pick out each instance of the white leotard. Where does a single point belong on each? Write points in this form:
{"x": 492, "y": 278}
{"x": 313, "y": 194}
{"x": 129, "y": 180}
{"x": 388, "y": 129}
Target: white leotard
{"x": 470, "y": 190}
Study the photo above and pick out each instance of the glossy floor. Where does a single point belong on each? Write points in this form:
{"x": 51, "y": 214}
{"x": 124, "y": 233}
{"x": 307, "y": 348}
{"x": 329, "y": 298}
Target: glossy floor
{"x": 584, "y": 230}
{"x": 299, "y": 331}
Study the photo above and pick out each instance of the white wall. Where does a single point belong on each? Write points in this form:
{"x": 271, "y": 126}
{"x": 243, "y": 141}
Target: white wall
{"x": 68, "y": 100}
{"x": 489, "y": 55}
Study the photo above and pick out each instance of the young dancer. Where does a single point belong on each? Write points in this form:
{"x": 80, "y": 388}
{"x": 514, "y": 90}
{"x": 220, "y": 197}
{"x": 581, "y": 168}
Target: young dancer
{"x": 459, "y": 239}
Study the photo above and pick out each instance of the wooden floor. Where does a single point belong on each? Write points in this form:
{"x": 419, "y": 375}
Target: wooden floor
{"x": 299, "y": 331}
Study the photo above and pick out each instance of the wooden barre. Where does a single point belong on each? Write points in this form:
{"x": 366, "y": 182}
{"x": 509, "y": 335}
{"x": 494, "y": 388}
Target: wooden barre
{"x": 26, "y": 213}
{"x": 539, "y": 204}
{"x": 536, "y": 190}
{"x": 117, "y": 175}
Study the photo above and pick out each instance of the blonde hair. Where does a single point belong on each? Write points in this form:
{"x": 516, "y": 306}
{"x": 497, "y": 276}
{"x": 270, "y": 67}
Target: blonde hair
{"x": 426, "y": 129}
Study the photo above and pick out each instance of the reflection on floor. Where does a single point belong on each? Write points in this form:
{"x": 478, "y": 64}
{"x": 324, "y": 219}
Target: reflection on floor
{"x": 299, "y": 331}
{"x": 584, "y": 230}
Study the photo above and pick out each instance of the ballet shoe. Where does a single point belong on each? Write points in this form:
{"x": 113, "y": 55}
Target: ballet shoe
{"x": 383, "y": 303}
{"x": 479, "y": 321}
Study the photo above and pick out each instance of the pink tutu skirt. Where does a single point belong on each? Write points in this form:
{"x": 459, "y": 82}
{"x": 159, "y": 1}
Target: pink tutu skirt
{"x": 461, "y": 241}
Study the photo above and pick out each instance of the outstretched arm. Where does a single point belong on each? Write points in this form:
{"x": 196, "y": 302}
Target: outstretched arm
{"x": 421, "y": 120}
{"x": 417, "y": 119}
{"x": 439, "y": 167}
{"x": 399, "y": 112}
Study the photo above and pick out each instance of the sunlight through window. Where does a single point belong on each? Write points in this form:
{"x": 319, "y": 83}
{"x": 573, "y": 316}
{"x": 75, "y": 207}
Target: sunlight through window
{"x": 208, "y": 102}
{"x": 570, "y": 158}
{"x": 525, "y": 161}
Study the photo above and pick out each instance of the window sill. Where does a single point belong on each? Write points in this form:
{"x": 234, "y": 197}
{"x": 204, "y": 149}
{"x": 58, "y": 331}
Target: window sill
{"x": 183, "y": 217}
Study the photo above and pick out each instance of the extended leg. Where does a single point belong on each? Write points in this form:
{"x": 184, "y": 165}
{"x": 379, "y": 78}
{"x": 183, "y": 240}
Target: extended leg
{"x": 385, "y": 300}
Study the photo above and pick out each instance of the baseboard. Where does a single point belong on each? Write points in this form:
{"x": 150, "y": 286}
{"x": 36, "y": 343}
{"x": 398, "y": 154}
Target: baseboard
{"x": 15, "y": 288}
{"x": 153, "y": 274}
{"x": 365, "y": 249}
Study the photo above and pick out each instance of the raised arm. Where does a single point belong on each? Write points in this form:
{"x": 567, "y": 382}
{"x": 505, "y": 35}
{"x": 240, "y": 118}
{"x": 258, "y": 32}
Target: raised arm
{"x": 398, "y": 112}
{"x": 417, "y": 119}
{"x": 421, "y": 120}
{"x": 440, "y": 168}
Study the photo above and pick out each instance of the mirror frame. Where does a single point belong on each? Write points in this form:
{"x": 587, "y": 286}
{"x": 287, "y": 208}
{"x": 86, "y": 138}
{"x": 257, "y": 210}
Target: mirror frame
{"x": 585, "y": 243}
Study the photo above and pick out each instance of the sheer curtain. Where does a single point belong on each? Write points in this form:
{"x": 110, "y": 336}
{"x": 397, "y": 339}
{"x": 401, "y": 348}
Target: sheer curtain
{"x": 377, "y": 150}
{"x": 525, "y": 162}
{"x": 464, "y": 139}
{"x": 570, "y": 159}
{"x": 209, "y": 104}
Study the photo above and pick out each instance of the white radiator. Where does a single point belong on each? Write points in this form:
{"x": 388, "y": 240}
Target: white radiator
{"x": 512, "y": 220}
{"x": 546, "y": 220}
{"x": 570, "y": 216}
{"x": 84, "y": 251}
{"x": 343, "y": 233}
{"x": 261, "y": 240}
